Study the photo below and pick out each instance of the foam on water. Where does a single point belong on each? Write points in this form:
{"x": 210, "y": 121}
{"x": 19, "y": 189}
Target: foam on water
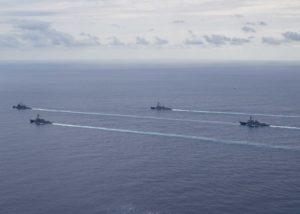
{"x": 285, "y": 127}
{"x": 191, "y": 137}
{"x": 154, "y": 118}
{"x": 236, "y": 113}
{"x": 134, "y": 116}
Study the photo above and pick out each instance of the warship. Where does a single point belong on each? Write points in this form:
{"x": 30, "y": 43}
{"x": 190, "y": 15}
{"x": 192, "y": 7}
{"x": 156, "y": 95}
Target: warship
{"x": 253, "y": 123}
{"x": 40, "y": 121}
{"x": 21, "y": 106}
{"x": 160, "y": 107}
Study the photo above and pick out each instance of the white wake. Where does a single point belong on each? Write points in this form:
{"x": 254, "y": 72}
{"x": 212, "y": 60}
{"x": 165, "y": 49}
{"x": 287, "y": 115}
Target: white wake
{"x": 236, "y": 113}
{"x": 134, "y": 116}
{"x": 159, "y": 118}
{"x": 191, "y": 137}
{"x": 285, "y": 127}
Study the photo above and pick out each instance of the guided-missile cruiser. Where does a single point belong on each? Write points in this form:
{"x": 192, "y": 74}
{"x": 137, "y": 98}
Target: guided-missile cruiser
{"x": 39, "y": 121}
{"x": 253, "y": 123}
{"x": 160, "y": 107}
{"x": 21, "y": 106}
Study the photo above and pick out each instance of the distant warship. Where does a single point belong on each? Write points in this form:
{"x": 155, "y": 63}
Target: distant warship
{"x": 21, "y": 106}
{"x": 253, "y": 123}
{"x": 39, "y": 121}
{"x": 160, "y": 107}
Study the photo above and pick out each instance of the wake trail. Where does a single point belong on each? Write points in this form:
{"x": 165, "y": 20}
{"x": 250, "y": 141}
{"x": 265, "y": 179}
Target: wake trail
{"x": 155, "y": 118}
{"x": 191, "y": 137}
{"x": 237, "y": 113}
{"x": 135, "y": 116}
{"x": 285, "y": 127}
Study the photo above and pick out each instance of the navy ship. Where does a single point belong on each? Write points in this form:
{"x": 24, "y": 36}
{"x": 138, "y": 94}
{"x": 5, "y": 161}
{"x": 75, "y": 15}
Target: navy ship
{"x": 21, "y": 106}
{"x": 253, "y": 123}
{"x": 40, "y": 121}
{"x": 160, "y": 107}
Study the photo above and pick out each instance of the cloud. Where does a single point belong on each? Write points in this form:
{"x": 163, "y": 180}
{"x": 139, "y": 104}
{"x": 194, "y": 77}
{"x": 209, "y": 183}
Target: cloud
{"x": 272, "y": 41}
{"x": 248, "y": 29}
{"x": 262, "y": 23}
{"x": 193, "y": 39}
{"x": 141, "y": 41}
{"x": 219, "y": 40}
{"x": 114, "y": 41}
{"x": 160, "y": 41}
{"x": 178, "y": 22}
{"x": 40, "y": 34}
{"x": 251, "y": 23}
{"x": 29, "y": 33}
{"x": 239, "y": 16}
{"x": 29, "y": 13}
{"x": 115, "y": 26}
{"x": 30, "y": 25}
{"x": 9, "y": 41}
{"x": 291, "y": 36}
{"x": 89, "y": 39}
{"x": 288, "y": 36}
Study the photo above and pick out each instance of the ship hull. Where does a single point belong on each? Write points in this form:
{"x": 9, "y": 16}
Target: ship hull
{"x": 21, "y": 108}
{"x": 160, "y": 108}
{"x": 40, "y": 123}
{"x": 254, "y": 125}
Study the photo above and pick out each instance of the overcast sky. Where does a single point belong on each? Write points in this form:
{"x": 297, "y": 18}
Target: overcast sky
{"x": 150, "y": 29}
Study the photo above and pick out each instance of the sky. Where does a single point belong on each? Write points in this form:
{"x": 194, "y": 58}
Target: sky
{"x": 197, "y": 30}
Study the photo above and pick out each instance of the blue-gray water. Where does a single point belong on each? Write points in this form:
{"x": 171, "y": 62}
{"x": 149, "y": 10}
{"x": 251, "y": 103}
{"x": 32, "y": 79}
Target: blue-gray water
{"x": 121, "y": 157}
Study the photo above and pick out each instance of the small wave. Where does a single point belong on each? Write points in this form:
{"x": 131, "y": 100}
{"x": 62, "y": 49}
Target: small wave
{"x": 236, "y": 113}
{"x": 233, "y": 142}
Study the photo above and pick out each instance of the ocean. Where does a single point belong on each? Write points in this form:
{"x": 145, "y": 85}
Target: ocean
{"x": 107, "y": 152}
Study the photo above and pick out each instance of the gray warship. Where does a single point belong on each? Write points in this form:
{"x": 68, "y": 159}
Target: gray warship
{"x": 253, "y": 123}
{"x": 39, "y": 121}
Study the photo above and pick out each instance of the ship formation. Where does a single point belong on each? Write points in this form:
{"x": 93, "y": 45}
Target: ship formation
{"x": 251, "y": 123}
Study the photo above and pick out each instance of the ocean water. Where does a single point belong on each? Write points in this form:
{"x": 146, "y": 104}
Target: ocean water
{"x": 107, "y": 152}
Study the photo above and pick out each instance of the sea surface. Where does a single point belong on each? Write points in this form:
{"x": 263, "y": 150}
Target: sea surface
{"x": 107, "y": 152}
